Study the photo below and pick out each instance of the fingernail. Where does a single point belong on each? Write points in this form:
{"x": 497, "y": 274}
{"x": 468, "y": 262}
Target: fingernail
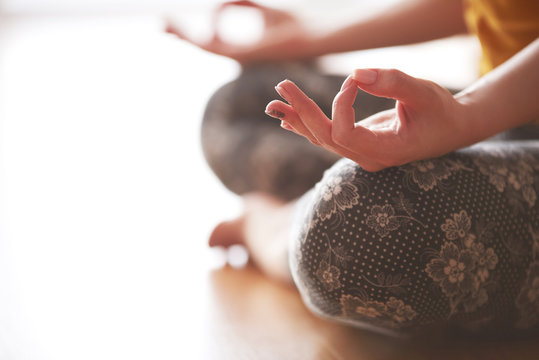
{"x": 275, "y": 113}
{"x": 365, "y": 76}
{"x": 282, "y": 91}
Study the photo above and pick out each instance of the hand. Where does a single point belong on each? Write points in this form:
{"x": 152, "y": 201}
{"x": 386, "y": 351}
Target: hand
{"x": 427, "y": 120}
{"x": 282, "y": 37}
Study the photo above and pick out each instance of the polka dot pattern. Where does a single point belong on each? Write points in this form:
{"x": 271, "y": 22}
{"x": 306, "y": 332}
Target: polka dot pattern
{"x": 430, "y": 243}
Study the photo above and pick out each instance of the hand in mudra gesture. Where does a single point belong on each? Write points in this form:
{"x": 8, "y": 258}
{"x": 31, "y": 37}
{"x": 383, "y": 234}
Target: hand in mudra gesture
{"x": 282, "y": 35}
{"x": 426, "y": 122}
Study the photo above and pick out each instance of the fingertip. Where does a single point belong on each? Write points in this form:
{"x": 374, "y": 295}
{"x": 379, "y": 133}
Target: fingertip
{"x": 283, "y": 93}
{"x": 281, "y": 89}
{"x": 348, "y": 82}
{"x": 275, "y": 105}
{"x": 275, "y": 113}
{"x": 285, "y": 82}
{"x": 365, "y": 76}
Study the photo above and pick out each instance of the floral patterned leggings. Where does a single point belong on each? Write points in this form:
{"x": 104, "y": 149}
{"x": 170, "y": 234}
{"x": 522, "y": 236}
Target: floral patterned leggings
{"x": 448, "y": 243}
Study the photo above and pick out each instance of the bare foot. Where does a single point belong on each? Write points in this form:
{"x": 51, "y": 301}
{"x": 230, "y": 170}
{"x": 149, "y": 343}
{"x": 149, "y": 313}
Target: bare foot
{"x": 228, "y": 233}
{"x": 263, "y": 229}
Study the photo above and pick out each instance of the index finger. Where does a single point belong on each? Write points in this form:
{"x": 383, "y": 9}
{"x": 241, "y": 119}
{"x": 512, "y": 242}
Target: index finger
{"x": 310, "y": 114}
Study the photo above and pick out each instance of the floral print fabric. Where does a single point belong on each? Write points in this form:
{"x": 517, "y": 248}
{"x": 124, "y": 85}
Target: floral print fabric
{"x": 462, "y": 267}
{"x": 528, "y": 299}
{"x": 452, "y": 241}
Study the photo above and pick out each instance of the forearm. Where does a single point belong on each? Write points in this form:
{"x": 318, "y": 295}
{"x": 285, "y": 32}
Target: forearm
{"x": 505, "y": 98}
{"x": 407, "y": 22}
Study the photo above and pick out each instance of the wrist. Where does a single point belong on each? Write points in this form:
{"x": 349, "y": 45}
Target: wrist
{"x": 473, "y": 117}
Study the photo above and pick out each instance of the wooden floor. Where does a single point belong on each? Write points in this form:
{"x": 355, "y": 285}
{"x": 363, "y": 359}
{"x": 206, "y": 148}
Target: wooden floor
{"x": 106, "y": 205}
{"x": 255, "y": 318}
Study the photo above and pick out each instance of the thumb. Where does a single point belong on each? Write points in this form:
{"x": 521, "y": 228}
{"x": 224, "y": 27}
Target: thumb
{"x": 394, "y": 84}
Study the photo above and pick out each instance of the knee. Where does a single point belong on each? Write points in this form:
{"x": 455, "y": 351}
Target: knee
{"x": 402, "y": 250}
{"x": 248, "y": 152}
{"x": 230, "y": 129}
{"x": 322, "y": 253}
{"x": 343, "y": 260}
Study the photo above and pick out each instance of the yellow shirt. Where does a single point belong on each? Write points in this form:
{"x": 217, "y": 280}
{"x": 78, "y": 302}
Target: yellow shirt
{"x": 504, "y": 27}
